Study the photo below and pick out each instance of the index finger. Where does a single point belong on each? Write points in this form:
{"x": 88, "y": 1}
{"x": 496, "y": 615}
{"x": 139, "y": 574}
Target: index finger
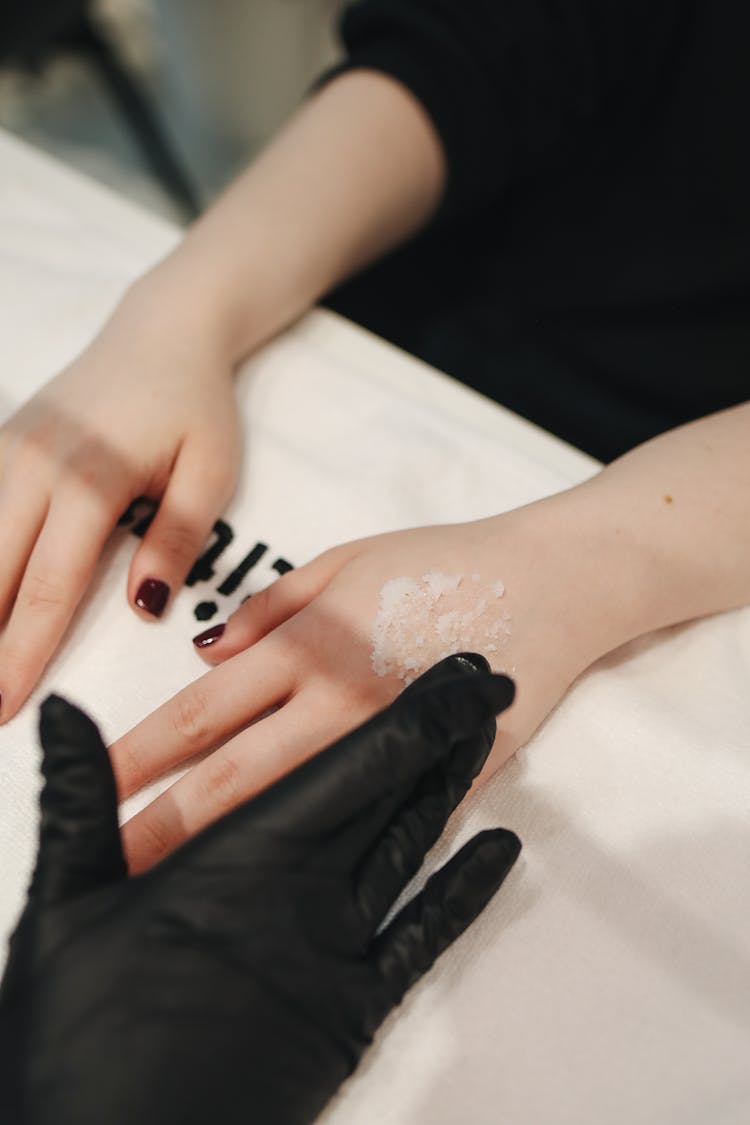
{"x": 58, "y": 572}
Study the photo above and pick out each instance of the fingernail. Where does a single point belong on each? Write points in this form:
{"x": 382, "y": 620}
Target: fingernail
{"x": 203, "y": 640}
{"x": 153, "y": 595}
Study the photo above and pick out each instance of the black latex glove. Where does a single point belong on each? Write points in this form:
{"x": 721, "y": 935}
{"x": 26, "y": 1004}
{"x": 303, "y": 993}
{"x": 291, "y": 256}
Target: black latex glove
{"x": 242, "y": 978}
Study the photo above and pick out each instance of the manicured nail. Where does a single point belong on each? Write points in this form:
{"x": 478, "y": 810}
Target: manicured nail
{"x": 153, "y": 595}
{"x": 203, "y": 640}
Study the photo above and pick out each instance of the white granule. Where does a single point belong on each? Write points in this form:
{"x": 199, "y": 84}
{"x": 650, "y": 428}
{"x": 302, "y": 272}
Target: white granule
{"x": 439, "y": 584}
{"x": 446, "y": 627}
{"x": 422, "y": 620}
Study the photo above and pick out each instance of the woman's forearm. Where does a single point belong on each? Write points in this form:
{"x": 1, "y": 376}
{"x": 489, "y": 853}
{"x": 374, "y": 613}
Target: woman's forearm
{"x": 662, "y": 535}
{"x": 357, "y": 171}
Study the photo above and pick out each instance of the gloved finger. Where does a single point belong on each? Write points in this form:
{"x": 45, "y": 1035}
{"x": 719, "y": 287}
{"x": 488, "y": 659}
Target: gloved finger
{"x": 396, "y": 830}
{"x": 398, "y": 854}
{"x": 450, "y": 901}
{"x": 289, "y": 810}
{"x": 79, "y": 837}
{"x": 199, "y": 488}
{"x": 467, "y": 663}
{"x": 386, "y": 755}
{"x": 58, "y": 572}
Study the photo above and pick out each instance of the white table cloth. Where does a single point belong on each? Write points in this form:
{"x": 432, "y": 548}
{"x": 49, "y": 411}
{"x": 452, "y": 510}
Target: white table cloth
{"x": 609, "y": 982}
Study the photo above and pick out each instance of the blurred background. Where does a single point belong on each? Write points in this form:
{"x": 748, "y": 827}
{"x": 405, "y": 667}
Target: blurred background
{"x": 163, "y": 100}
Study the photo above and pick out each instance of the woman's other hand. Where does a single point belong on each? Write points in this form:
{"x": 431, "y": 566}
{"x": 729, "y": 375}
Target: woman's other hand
{"x": 143, "y": 411}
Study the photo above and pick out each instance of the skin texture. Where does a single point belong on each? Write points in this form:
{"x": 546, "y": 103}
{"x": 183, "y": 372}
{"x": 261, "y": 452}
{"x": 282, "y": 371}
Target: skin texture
{"x": 311, "y": 661}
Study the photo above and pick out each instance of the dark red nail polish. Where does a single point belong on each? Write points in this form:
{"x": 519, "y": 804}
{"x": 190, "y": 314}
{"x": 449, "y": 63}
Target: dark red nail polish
{"x": 153, "y": 595}
{"x": 203, "y": 640}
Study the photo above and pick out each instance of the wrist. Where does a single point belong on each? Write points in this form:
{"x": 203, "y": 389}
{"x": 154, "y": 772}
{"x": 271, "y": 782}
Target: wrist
{"x": 172, "y": 302}
{"x": 220, "y": 307}
{"x": 354, "y": 173}
{"x": 579, "y": 574}
{"x": 599, "y": 568}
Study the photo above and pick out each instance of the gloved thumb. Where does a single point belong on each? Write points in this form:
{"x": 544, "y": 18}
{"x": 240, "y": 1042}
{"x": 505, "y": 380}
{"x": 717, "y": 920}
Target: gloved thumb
{"x": 79, "y": 837}
{"x": 450, "y": 901}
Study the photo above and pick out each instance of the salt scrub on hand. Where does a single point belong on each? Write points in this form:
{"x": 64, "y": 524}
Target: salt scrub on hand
{"x": 422, "y": 620}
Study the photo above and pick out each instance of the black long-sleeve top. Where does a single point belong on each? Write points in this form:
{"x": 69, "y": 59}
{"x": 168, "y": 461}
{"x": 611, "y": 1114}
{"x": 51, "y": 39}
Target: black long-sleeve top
{"x": 590, "y": 265}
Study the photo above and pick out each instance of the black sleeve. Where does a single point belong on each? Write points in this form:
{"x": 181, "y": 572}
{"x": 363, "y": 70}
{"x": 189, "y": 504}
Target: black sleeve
{"x": 517, "y": 88}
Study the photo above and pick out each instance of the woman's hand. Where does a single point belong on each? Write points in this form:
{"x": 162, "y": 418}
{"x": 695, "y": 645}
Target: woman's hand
{"x": 328, "y": 645}
{"x": 148, "y": 408}
{"x": 142, "y": 412}
{"x": 660, "y": 536}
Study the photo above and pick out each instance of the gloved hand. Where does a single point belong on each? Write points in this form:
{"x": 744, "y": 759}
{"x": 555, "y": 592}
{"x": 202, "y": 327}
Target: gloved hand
{"x": 242, "y": 978}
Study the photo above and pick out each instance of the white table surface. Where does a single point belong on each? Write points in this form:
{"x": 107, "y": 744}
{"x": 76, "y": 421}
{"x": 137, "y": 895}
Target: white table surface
{"x": 609, "y": 982}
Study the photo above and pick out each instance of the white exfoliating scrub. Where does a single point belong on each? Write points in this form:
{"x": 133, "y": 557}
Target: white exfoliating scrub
{"x": 422, "y": 620}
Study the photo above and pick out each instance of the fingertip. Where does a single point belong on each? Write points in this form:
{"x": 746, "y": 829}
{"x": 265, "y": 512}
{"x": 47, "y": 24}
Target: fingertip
{"x": 151, "y": 597}
{"x": 52, "y": 713}
{"x": 52, "y": 707}
{"x": 242, "y": 629}
{"x": 462, "y": 696}
{"x": 451, "y": 669}
{"x": 471, "y": 661}
{"x": 450, "y": 902}
{"x": 10, "y": 706}
{"x": 205, "y": 643}
{"x": 501, "y": 844}
{"x": 501, "y": 691}
{"x": 486, "y": 861}
{"x": 496, "y": 687}
{"x": 182, "y": 525}
{"x": 483, "y": 695}
{"x": 58, "y": 718}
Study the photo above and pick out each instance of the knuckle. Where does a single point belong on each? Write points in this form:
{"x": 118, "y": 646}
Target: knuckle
{"x": 178, "y": 542}
{"x": 221, "y": 783}
{"x": 42, "y": 592}
{"x": 155, "y": 838}
{"x": 95, "y": 506}
{"x": 190, "y": 718}
{"x": 90, "y": 475}
{"x": 280, "y": 596}
{"x": 361, "y": 694}
{"x": 31, "y": 448}
{"x": 261, "y": 607}
{"x": 127, "y": 767}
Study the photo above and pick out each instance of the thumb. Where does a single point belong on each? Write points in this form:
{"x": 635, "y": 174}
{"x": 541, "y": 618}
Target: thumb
{"x": 451, "y": 900}
{"x": 79, "y": 837}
